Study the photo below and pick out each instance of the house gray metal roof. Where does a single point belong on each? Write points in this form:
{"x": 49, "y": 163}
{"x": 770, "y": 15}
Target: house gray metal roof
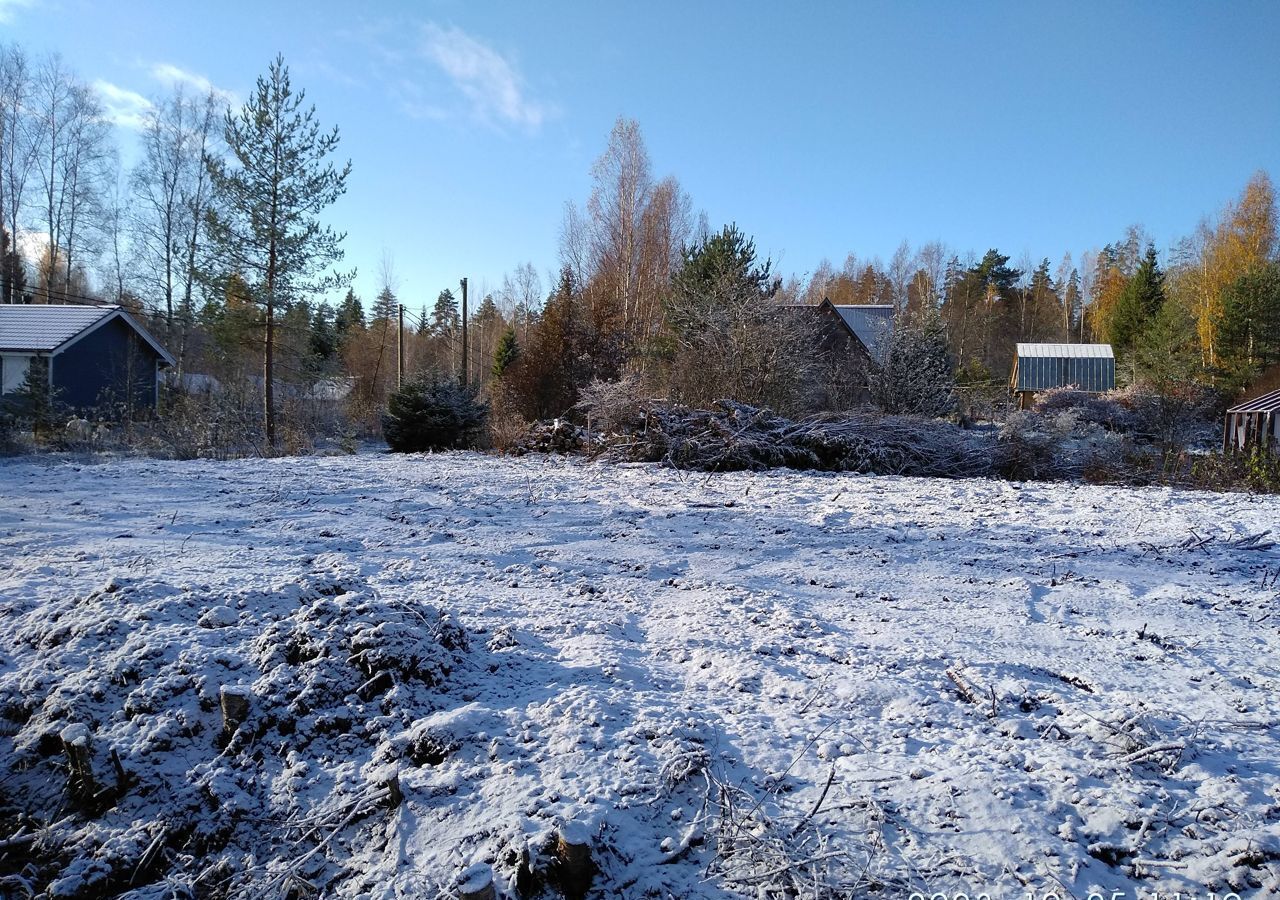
{"x": 45, "y": 327}
{"x": 871, "y": 323}
{"x": 1067, "y": 351}
{"x": 1266, "y": 403}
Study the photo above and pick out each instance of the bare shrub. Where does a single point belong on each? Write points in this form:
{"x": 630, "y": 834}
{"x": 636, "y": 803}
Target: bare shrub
{"x": 612, "y": 405}
{"x": 507, "y": 427}
{"x": 1095, "y": 409}
{"x": 1172, "y": 417}
{"x": 221, "y": 424}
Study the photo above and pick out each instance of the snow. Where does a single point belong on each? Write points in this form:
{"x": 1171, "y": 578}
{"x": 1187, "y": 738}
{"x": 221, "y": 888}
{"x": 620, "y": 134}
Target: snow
{"x": 719, "y": 682}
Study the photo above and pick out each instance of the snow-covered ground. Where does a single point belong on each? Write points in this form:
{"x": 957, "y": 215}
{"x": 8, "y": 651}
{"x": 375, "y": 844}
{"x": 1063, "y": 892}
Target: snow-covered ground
{"x": 725, "y": 684}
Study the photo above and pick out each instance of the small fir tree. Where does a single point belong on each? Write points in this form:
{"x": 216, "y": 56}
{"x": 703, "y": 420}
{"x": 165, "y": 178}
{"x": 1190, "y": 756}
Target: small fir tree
{"x": 35, "y": 401}
{"x": 433, "y": 412}
{"x": 914, "y": 375}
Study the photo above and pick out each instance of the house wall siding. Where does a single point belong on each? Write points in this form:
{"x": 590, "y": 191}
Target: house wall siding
{"x": 105, "y": 367}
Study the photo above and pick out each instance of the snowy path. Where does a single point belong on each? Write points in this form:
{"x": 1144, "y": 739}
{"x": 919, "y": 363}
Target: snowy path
{"x": 633, "y": 628}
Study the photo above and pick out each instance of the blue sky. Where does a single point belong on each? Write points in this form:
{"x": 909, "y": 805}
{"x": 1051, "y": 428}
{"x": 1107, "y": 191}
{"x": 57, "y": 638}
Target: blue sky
{"x": 819, "y": 128}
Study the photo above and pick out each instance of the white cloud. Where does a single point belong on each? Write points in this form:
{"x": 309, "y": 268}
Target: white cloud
{"x": 124, "y": 107}
{"x": 8, "y": 8}
{"x": 173, "y": 76}
{"x": 482, "y": 75}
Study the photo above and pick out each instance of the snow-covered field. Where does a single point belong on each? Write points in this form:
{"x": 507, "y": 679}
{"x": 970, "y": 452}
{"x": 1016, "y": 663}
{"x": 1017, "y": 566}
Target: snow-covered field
{"x": 727, "y": 685}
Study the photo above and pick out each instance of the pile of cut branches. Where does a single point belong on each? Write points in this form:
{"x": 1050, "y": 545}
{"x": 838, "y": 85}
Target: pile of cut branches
{"x": 733, "y": 436}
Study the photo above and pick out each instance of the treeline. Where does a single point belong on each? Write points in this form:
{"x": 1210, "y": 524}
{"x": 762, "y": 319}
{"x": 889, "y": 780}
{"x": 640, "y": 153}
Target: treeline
{"x": 645, "y": 294}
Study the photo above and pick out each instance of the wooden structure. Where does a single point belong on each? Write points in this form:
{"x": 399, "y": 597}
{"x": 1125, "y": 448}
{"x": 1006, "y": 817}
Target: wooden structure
{"x": 1253, "y": 425}
{"x": 1041, "y": 367}
{"x": 95, "y": 354}
{"x": 850, "y": 341}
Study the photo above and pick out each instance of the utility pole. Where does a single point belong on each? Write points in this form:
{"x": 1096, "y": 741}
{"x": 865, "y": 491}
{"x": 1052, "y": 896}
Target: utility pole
{"x": 400, "y": 350}
{"x": 465, "y": 376}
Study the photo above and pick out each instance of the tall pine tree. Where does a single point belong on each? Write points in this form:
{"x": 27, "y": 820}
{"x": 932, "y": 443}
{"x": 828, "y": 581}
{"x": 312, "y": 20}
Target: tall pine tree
{"x": 264, "y": 224}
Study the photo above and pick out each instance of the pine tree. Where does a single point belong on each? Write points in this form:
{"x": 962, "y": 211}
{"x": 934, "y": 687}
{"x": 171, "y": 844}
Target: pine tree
{"x": 719, "y": 277}
{"x": 265, "y": 223}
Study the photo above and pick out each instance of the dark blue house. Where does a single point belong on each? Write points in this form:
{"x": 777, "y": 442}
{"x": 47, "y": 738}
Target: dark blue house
{"x": 99, "y": 357}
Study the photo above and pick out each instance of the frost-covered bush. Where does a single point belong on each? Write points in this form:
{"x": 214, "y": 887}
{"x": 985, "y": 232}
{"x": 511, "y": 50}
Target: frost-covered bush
{"x": 433, "y": 412}
{"x": 1094, "y": 409}
{"x": 612, "y": 405}
{"x": 1171, "y": 417}
{"x": 914, "y": 374}
{"x": 1062, "y": 446}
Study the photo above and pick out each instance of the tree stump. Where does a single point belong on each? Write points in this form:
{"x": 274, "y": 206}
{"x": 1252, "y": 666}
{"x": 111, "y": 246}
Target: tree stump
{"x": 395, "y": 796}
{"x": 573, "y": 853}
{"x": 235, "y": 707}
{"x": 76, "y": 742}
{"x": 476, "y": 883}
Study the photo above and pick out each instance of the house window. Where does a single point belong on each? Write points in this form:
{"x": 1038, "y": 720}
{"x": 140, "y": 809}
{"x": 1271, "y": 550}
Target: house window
{"x": 13, "y": 369}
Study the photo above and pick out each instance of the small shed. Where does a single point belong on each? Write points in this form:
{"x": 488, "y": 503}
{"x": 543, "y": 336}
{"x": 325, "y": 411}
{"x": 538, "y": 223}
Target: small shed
{"x": 1253, "y": 424}
{"x": 96, "y": 355}
{"x": 1041, "y": 367}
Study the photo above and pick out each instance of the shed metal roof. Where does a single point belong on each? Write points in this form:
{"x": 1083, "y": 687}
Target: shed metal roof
{"x": 1266, "y": 403}
{"x": 45, "y": 327}
{"x": 871, "y": 323}
{"x": 1066, "y": 351}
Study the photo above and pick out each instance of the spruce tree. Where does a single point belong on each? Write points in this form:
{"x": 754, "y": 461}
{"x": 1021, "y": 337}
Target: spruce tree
{"x": 506, "y": 353}
{"x": 915, "y": 373}
{"x": 1249, "y": 333}
{"x": 35, "y": 400}
{"x": 444, "y": 315}
{"x": 264, "y": 224}
{"x": 386, "y": 307}
{"x": 13, "y": 274}
{"x": 350, "y": 315}
{"x": 324, "y": 334}
{"x": 1139, "y": 302}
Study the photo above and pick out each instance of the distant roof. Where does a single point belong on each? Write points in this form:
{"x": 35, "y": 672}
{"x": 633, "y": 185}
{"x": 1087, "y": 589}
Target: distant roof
{"x": 1096, "y": 351}
{"x": 44, "y": 327}
{"x": 871, "y": 323}
{"x": 1266, "y": 403}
